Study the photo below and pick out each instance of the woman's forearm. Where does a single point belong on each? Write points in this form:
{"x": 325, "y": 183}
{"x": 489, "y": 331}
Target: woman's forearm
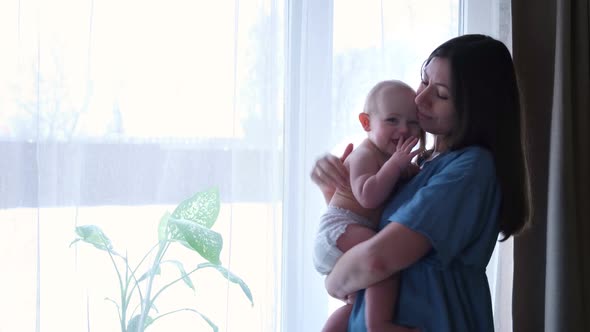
{"x": 357, "y": 269}
{"x": 391, "y": 250}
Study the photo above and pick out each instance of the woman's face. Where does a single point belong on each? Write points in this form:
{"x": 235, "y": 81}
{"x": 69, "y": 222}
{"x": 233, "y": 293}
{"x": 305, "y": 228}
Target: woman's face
{"x": 436, "y": 109}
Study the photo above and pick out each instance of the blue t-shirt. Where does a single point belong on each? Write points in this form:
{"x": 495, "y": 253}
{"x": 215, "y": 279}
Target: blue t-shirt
{"x": 454, "y": 201}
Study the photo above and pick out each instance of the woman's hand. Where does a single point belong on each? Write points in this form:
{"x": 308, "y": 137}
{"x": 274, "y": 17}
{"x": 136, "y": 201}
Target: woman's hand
{"x": 333, "y": 289}
{"x": 329, "y": 173}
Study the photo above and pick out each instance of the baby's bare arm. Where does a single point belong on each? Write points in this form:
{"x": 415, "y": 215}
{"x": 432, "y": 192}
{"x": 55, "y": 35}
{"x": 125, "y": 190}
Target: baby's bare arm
{"x": 371, "y": 184}
{"x": 363, "y": 165}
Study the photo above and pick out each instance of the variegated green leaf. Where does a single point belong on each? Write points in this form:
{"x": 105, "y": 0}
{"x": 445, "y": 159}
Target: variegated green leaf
{"x": 213, "y": 326}
{"x": 156, "y": 271}
{"x": 231, "y": 277}
{"x": 206, "y": 242}
{"x": 163, "y": 227}
{"x": 202, "y": 208}
{"x": 185, "y": 277}
{"x": 134, "y": 323}
{"x": 93, "y": 235}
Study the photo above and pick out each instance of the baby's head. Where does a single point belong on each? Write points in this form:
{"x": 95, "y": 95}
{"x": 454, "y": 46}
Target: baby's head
{"x": 390, "y": 115}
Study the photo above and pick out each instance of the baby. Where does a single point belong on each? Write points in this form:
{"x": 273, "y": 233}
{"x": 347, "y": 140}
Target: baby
{"x": 375, "y": 167}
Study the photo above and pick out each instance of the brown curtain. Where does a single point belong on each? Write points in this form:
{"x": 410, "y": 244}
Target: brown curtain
{"x": 552, "y": 259}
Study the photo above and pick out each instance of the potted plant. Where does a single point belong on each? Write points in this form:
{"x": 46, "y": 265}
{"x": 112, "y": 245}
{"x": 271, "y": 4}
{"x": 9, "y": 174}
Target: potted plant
{"x": 188, "y": 225}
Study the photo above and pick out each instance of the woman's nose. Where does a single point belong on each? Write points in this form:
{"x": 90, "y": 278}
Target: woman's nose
{"x": 421, "y": 98}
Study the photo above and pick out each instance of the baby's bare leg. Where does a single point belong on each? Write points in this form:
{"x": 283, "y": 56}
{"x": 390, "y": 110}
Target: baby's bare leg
{"x": 353, "y": 235}
{"x": 338, "y": 320}
{"x": 380, "y": 300}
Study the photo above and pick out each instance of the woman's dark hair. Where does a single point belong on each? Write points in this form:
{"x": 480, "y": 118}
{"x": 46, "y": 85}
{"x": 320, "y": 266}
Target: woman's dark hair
{"x": 485, "y": 92}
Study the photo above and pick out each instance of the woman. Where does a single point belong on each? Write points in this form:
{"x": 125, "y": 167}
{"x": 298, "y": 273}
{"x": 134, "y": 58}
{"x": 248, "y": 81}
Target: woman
{"x": 439, "y": 229}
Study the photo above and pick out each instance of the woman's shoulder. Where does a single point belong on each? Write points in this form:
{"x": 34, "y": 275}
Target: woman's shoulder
{"x": 473, "y": 164}
{"x": 471, "y": 158}
{"x": 471, "y": 152}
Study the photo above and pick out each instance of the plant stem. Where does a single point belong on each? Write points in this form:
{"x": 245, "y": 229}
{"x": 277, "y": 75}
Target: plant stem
{"x": 122, "y": 289}
{"x": 175, "y": 311}
{"x": 173, "y": 282}
{"x": 148, "y": 302}
{"x": 133, "y": 272}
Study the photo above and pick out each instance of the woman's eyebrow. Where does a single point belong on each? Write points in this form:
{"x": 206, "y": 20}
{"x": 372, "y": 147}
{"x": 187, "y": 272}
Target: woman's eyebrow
{"x": 441, "y": 84}
{"x": 425, "y": 77}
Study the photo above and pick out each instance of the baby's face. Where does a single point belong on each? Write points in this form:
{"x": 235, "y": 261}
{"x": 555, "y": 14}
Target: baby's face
{"x": 394, "y": 119}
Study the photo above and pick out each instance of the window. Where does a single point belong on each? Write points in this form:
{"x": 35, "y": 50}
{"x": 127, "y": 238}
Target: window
{"x": 112, "y": 112}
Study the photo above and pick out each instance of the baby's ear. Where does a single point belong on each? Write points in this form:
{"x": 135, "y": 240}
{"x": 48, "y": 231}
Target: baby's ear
{"x": 365, "y": 121}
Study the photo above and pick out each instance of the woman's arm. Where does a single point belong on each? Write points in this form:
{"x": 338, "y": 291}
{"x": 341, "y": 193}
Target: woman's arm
{"x": 391, "y": 250}
{"x": 329, "y": 173}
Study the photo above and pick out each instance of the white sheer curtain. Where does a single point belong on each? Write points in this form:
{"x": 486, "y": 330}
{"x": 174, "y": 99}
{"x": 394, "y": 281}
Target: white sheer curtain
{"x": 112, "y": 112}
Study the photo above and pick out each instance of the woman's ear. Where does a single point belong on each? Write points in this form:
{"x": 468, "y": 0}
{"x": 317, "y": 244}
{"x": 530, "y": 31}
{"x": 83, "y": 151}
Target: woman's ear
{"x": 365, "y": 121}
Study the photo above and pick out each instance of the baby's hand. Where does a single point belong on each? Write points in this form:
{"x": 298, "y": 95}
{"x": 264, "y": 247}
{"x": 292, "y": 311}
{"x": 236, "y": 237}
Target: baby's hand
{"x": 403, "y": 155}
